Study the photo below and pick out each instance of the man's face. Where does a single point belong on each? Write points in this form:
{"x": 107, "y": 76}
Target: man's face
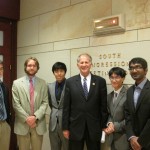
{"x": 1, "y": 71}
{"x": 59, "y": 75}
{"x": 31, "y": 68}
{"x": 137, "y": 72}
{"x": 116, "y": 81}
{"x": 84, "y": 65}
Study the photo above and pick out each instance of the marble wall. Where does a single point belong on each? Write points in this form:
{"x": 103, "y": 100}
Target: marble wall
{"x": 59, "y": 30}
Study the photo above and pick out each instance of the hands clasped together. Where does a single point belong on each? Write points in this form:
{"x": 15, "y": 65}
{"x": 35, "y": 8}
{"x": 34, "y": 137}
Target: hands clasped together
{"x": 31, "y": 121}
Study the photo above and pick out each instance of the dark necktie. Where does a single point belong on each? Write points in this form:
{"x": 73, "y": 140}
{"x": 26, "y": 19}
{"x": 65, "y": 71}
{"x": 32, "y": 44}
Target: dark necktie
{"x": 115, "y": 97}
{"x": 1, "y": 104}
{"x": 31, "y": 97}
{"x": 58, "y": 93}
{"x": 85, "y": 89}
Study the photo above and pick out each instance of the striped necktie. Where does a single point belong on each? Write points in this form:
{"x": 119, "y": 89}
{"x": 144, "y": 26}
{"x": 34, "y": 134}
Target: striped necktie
{"x": 1, "y": 104}
{"x": 85, "y": 89}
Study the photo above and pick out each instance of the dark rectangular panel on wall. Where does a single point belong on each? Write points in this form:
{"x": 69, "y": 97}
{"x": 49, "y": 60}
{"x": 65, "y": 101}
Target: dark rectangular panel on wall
{"x": 10, "y": 9}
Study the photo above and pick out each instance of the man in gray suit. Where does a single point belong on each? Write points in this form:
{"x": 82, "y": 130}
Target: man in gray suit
{"x": 116, "y": 100}
{"x": 30, "y": 100}
{"x": 56, "y": 98}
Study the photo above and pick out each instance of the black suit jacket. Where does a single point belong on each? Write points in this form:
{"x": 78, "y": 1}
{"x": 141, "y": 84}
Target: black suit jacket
{"x": 6, "y": 101}
{"x": 138, "y": 120}
{"x": 79, "y": 112}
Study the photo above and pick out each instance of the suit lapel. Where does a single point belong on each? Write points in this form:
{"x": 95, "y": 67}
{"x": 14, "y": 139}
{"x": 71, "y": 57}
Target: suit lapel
{"x": 36, "y": 88}
{"x": 53, "y": 93}
{"x": 131, "y": 96}
{"x": 79, "y": 85}
{"x": 92, "y": 85}
{"x": 121, "y": 94}
{"x": 25, "y": 85}
{"x": 62, "y": 96}
{"x": 143, "y": 93}
{"x": 110, "y": 102}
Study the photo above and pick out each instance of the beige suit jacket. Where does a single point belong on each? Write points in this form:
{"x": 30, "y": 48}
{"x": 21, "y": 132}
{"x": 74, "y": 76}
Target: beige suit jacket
{"x": 21, "y": 104}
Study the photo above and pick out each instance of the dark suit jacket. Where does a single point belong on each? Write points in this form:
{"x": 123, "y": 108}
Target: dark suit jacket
{"x": 79, "y": 112}
{"x": 6, "y": 101}
{"x": 138, "y": 120}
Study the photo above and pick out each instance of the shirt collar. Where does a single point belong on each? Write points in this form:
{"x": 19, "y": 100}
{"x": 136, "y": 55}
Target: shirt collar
{"x": 87, "y": 77}
{"x": 118, "y": 91}
{"x": 141, "y": 85}
{"x": 61, "y": 83}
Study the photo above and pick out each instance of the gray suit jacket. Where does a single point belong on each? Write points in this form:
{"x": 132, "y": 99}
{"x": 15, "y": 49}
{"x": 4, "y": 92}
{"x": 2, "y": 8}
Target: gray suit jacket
{"x": 116, "y": 115}
{"x": 56, "y": 109}
{"x": 21, "y": 104}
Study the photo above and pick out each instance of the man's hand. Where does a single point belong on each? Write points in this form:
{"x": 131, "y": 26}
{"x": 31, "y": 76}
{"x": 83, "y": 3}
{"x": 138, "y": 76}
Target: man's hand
{"x": 66, "y": 134}
{"x": 110, "y": 129}
{"x": 31, "y": 121}
{"x": 134, "y": 143}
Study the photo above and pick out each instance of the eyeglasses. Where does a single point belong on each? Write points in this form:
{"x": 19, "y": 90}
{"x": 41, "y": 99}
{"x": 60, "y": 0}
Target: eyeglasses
{"x": 137, "y": 68}
{"x": 115, "y": 78}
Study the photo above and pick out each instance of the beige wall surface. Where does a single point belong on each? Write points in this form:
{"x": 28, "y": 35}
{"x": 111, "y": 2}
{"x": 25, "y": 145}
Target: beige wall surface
{"x": 59, "y": 30}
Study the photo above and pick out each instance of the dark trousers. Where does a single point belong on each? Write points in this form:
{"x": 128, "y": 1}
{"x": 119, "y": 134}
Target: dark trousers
{"x": 79, "y": 145}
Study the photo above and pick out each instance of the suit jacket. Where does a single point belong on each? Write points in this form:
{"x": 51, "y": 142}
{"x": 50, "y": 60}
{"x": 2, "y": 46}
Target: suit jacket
{"x": 6, "y": 102}
{"x": 138, "y": 119}
{"x": 21, "y": 104}
{"x": 56, "y": 109}
{"x": 116, "y": 115}
{"x": 79, "y": 112}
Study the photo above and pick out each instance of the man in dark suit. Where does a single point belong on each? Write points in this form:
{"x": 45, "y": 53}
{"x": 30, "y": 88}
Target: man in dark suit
{"x": 4, "y": 113}
{"x": 137, "y": 111}
{"x": 85, "y": 107}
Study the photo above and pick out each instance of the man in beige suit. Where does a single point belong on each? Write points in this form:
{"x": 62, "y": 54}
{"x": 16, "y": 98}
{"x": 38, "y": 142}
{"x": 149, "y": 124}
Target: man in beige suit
{"x": 30, "y": 101}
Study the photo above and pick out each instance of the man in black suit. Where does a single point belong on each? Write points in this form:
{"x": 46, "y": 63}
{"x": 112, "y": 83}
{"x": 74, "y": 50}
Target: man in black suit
{"x": 137, "y": 110}
{"x": 85, "y": 107}
{"x": 4, "y": 113}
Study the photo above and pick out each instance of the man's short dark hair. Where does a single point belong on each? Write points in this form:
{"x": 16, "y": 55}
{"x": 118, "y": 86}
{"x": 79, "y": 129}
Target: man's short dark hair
{"x": 138, "y": 60}
{"x": 59, "y": 65}
{"x": 118, "y": 71}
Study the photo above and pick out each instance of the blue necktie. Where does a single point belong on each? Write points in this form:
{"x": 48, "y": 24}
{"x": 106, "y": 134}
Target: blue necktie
{"x": 1, "y": 104}
{"x": 85, "y": 87}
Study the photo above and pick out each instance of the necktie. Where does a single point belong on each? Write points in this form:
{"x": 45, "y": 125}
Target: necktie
{"x": 137, "y": 92}
{"x": 31, "y": 97}
{"x": 85, "y": 89}
{"x": 1, "y": 104}
{"x": 115, "y": 97}
{"x": 58, "y": 93}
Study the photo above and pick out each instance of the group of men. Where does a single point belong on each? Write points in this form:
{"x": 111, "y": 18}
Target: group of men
{"x": 79, "y": 109}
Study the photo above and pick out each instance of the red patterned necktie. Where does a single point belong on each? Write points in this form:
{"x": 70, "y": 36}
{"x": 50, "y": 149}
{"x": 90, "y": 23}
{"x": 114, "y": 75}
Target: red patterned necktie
{"x": 31, "y": 96}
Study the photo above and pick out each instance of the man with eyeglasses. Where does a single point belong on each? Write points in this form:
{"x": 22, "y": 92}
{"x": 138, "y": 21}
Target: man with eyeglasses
{"x": 137, "y": 108}
{"x": 117, "y": 139}
{"x": 5, "y": 116}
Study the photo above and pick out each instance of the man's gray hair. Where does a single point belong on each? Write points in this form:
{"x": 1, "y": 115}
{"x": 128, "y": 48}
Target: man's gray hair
{"x": 84, "y": 54}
